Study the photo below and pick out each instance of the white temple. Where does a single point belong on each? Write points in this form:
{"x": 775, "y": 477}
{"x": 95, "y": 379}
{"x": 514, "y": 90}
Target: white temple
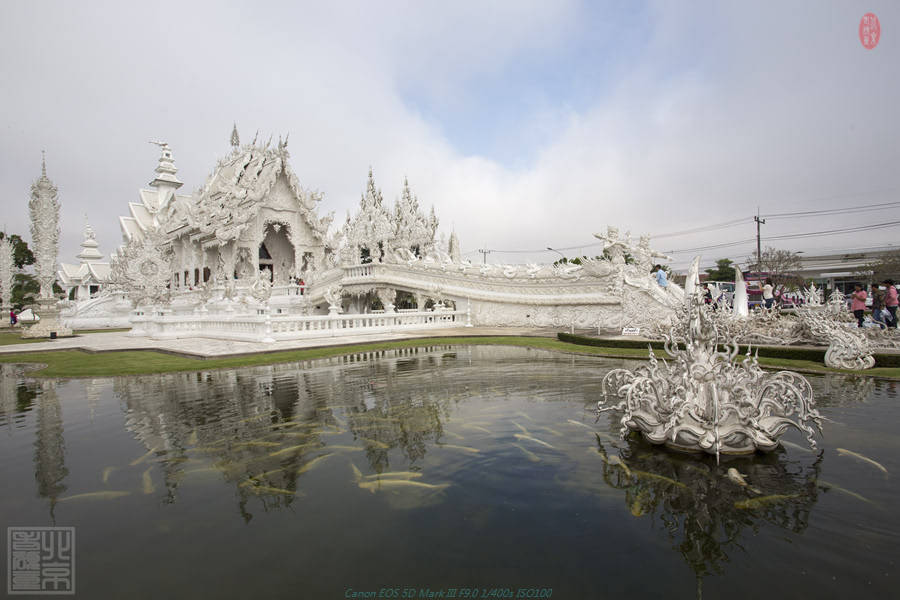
{"x": 247, "y": 256}
{"x": 86, "y": 279}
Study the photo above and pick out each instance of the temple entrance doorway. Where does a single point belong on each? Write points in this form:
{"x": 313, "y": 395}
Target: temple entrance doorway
{"x": 276, "y": 254}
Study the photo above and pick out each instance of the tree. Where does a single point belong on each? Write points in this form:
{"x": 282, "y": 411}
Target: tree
{"x": 25, "y": 286}
{"x": 22, "y": 255}
{"x": 723, "y": 271}
{"x": 886, "y": 267}
{"x": 780, "y": 265}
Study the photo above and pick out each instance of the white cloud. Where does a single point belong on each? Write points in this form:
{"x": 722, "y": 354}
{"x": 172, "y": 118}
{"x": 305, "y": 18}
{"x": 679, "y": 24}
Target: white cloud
{"x": 720, "y": 111}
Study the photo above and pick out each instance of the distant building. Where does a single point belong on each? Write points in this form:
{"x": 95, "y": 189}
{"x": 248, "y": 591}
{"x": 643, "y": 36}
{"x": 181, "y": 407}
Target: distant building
{"x": 86, "y": 279}
{"x": 841, "y": 270}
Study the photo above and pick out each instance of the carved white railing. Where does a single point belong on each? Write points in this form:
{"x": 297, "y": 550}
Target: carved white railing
{"x": 265, "y": 327}
{"x": 358, "y": 271}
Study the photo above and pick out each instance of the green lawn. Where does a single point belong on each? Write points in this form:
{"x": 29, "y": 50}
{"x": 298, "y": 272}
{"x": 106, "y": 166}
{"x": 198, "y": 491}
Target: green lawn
{"x": 74, "y": 363}
{"x": 14, "y": 336}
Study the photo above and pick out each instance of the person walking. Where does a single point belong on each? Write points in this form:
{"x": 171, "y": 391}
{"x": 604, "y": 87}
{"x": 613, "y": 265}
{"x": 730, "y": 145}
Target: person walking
{"x": 13, "y": 319}
{"x": 890, "y": 302}
{"x": 768, "y": 293}
{"x": 858, "y": 303}
{"x": 661, "y": 278}
{"x": 878, "y": 311}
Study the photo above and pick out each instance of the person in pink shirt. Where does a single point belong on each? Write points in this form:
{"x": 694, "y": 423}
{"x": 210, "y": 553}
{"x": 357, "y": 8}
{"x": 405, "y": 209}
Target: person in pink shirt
{"x": 891, "y": 301}
{"x": 858, "y": 303}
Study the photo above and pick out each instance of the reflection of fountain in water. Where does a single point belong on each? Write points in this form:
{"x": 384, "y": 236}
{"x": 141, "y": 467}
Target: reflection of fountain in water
{"x": 705, "y": 400}
{"x": 705, "y": 513}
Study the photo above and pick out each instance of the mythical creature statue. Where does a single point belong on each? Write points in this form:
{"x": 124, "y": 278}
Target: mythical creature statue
{"x": 333, "y": 297}
{"x": 142, "y": 270}
{"x": 704, "y": 400}
{"x": 813, "y": 295}
{"x": 848, "y": 347}
{"x": 261, "y": 288}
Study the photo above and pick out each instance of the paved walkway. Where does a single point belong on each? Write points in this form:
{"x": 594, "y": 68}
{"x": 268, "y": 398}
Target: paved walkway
{"x": 209, "y": 348}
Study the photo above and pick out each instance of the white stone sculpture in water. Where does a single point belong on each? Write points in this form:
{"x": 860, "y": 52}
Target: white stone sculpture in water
{"x": 705, "y": 401}
{"x": 848, "y": 347}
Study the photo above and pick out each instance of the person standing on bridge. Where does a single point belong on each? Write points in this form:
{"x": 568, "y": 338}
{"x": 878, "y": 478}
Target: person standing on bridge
{"x": 661, "y": 277}
{"x": 891, "y": 302}
{"x": 858, "y": 303}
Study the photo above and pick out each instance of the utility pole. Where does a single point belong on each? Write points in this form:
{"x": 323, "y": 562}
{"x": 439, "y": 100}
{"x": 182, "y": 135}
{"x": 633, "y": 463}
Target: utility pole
{"x": 758, "y": 246}
{"x": 485, "y": 252}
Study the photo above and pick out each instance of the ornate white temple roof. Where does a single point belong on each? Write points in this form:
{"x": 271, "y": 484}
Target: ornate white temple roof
{"x": 243, "y": 179}
{"x": 91, "y": 270}
{"x": 83, "y": 274}
{"x": 228, "y": 201}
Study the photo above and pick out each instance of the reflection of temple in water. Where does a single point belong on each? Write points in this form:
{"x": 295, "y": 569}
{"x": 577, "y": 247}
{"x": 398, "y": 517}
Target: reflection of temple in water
{"x": 841, "y": 390}
{"x": 8, "y": 386}
{"x": 49, "y": 445}
{"x": 703, "y": 512}
{"x": 260, "y": 426}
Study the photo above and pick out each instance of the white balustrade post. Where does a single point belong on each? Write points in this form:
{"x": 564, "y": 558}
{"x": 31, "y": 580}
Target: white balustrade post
{"x": 468, "y": 312}
{"x": 267, "y": 336}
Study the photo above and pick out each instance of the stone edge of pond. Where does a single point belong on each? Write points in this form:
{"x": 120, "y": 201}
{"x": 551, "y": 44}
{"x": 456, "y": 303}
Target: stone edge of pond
{"x": 197, "y": 362}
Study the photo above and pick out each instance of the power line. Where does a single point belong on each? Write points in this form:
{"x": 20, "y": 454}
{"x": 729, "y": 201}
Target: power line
{"x": 703, "y": 229}
{"x": 834, "y": 231}
{"x": 835, "y": 211}
{"x": 799, "y": 235}
{"x": 726, "y": 224}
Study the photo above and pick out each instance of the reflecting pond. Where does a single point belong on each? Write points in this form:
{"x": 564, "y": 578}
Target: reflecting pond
{"x": 439, "y": 468}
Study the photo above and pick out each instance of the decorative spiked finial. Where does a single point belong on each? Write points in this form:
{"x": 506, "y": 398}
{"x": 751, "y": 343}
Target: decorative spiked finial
{"x": 43, "y": 164}
{"x": 235, "y": 138}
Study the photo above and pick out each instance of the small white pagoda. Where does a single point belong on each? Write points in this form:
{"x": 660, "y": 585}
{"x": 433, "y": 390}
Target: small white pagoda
{"x": 88, "y": 278}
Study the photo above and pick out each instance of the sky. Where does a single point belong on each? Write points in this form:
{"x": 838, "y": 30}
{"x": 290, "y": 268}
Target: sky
{"x": 526, "y": 125}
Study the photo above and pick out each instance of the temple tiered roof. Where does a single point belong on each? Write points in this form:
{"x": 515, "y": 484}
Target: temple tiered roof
{"x": 228, "y": 202}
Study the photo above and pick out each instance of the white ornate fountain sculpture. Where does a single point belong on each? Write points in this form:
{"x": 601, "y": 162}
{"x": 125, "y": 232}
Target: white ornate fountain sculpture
{"x": 44, "y": 209}
{"x": 7, "y": 273}
{"x": 848, "y": 347}
{"x": 705, "y": 401}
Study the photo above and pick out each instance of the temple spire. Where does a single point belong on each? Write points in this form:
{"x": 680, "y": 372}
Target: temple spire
{"x": 235, "y": 138}
{"x": 89, "y": 247}
{"x": 43, "y": 164}
{"x": 166, "y": 169}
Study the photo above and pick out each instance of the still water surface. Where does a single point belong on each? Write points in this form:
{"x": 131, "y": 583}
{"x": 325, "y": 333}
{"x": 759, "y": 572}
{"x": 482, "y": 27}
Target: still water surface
{"x": 494, "y": 473}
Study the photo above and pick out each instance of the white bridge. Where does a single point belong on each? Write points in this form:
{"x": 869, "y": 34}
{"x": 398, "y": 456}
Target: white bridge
{"x": 337, "y": 302}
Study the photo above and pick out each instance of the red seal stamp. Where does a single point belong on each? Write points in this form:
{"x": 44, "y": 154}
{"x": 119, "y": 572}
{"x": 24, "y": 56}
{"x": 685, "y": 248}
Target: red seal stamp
{"x": 869, "y": 31}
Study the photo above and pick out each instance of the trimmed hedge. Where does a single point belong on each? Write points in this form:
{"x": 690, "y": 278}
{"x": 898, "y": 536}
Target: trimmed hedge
{"x": 782, "y": 352}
